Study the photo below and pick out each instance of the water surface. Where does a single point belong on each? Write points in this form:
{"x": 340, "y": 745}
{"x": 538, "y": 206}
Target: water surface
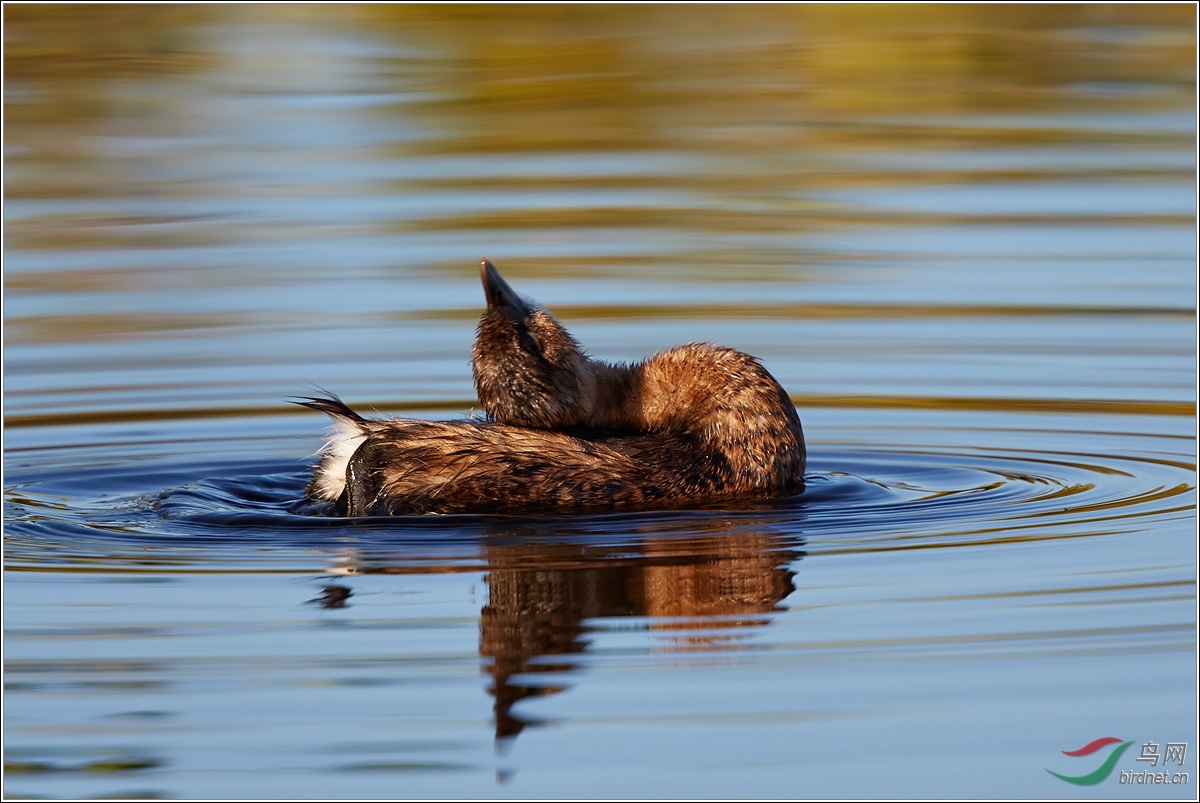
{"x": 963, "y": 238}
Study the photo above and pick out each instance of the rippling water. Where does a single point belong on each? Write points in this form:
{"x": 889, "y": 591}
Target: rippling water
{"x": 963, "y": 238}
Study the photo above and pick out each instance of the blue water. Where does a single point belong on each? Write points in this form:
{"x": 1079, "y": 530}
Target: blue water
{"x": 962, "y": 238}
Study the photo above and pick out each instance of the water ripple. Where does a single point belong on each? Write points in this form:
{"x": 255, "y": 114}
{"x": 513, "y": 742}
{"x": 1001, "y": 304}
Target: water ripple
{"x": 858, "y": 498}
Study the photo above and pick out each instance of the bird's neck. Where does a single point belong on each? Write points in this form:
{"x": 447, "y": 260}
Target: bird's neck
{"x": 614, "y": 397}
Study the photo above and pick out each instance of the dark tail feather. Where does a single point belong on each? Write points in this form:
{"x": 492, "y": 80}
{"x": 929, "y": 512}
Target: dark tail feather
{"x": 330, "y": 405}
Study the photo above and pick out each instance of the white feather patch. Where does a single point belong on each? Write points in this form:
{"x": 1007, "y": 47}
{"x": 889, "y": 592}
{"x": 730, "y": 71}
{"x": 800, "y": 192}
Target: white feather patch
{"x": 335, "y": 457}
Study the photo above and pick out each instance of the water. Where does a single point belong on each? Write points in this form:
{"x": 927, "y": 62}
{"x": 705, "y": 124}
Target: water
{"x": 963, "y": 238}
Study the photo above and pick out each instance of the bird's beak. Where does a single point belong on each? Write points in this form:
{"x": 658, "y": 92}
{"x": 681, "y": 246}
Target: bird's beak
{"x": 499, "y": 295}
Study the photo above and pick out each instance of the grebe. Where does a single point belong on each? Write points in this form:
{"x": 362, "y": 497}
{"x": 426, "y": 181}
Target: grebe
{"x": 565, "y": 433}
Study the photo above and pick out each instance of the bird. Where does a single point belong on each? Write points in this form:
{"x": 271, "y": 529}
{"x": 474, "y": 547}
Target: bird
{"x": 564, "y": 433}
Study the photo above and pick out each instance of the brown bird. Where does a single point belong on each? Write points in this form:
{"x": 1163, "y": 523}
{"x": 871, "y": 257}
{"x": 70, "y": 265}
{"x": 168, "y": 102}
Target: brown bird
{"x": 565, "y": 433}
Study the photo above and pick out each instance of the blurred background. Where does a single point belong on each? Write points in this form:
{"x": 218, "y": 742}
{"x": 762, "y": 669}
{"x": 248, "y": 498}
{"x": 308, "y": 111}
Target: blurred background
{"x": 963, "y": 237}
{"x": 209, "y": 206}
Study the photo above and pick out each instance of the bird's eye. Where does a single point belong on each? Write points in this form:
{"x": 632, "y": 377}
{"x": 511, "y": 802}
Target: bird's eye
{"x": 530, "y": 343}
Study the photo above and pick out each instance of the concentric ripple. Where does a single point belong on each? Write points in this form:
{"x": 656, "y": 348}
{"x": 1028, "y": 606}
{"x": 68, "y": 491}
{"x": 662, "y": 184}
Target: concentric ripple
{"x": 859, "y": 497}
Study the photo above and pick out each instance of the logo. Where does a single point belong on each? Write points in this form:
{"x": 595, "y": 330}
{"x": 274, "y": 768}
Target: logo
{"x": 1104, "y": 770}
{"x": 1175, "y": 753}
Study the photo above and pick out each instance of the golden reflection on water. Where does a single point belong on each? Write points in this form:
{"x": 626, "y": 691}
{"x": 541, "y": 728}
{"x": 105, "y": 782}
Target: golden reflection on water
{"x": 708, "y": 592}
{"x": 703, "y": 592}
{"x": 802, "y": 400}
{"x": 794, "y": 82}
{"x": 552, "y": 131}
{"x": 721, "y": 123}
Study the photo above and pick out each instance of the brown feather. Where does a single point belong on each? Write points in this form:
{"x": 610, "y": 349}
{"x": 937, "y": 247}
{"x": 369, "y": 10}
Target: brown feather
{"x": 565, "y": 433}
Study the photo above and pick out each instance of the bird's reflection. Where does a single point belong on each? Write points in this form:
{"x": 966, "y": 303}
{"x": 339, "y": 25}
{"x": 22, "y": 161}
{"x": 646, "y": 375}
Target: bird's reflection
{"x": 541, "y": 594}
{"x": 703, "y": 587}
